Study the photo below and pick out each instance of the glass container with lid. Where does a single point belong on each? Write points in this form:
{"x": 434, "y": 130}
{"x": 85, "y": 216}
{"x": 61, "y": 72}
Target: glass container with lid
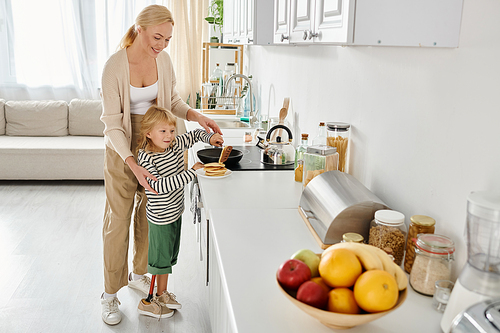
{"x": 319, "y": 159}
{"x": 388, "y": 232}
{"x": 434, "y": 255}
{"x": 338, "y": 136}
{"x": 419, "y": 224}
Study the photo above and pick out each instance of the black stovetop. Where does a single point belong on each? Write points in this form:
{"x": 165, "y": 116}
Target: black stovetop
{"x": 251, "y": 161}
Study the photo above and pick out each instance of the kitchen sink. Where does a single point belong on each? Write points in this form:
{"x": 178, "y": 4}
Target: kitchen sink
{"x": 230, "y": 123}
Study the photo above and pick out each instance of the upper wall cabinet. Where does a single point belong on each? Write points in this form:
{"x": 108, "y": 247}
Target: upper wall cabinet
{"x": 367, "y": 22}
{"x": 248, "y": 22}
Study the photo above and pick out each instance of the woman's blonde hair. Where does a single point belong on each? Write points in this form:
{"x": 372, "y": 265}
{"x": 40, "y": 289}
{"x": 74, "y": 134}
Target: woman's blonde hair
{"x": 154, "y": 116}
{"x": 150, "y": 16}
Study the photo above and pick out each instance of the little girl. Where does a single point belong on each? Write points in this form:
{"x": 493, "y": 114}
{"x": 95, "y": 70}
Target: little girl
{"x": 162, "y": 154}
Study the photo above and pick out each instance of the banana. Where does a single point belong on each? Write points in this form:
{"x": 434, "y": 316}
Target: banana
{"x": 401, "y": 278}
{"x": 368, "y": 259}
{"x": 386, "y": 260}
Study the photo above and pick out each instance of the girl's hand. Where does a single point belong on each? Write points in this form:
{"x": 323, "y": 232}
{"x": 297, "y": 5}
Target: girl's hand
{"x": 140, "y": 173}
{"x": 216, "y": 140}
{"x": 197, "y": 166}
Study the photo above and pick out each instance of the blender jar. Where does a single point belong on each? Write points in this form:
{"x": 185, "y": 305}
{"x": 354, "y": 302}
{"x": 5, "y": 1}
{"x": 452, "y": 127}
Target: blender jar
{"x": 338, "y": 136}
{"x": 479, "y": 280}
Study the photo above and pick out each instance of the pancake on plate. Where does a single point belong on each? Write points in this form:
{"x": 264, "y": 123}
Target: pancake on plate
{"x": 215, "y": 169}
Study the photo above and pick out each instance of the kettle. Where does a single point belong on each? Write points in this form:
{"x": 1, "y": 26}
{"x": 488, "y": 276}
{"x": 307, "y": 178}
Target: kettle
{"x": 278, "y": 152}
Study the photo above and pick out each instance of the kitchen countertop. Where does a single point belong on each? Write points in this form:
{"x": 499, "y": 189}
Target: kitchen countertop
{"x": 257, "y": 226}
{"x": 252, "y": 243}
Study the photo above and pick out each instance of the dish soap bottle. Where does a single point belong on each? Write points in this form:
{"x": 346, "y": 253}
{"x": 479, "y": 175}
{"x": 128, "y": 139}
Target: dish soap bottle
{"x": 299, "y": 157}
{"x": 320, "y": 139}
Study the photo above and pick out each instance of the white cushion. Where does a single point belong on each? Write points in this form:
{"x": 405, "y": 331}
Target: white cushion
{"x": 2, "y": 117}
{"x": 36, "y": 118}
{"x": 67, "y": 157}
{"x": 84, "y": 117}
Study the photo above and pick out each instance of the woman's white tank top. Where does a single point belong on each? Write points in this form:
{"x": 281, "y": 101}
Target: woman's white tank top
{"x": 142, "y": 98}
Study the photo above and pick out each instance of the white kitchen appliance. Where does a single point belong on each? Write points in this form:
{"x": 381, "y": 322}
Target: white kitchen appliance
{"x": 482, "y": 317}
{"x": 480, "y": 277}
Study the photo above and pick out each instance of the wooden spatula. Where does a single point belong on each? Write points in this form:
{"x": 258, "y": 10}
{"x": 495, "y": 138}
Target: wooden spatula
{"x": 224, "y": 155}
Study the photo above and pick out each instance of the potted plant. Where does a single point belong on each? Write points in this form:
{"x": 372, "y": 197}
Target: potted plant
{"x": 216, "y": 17}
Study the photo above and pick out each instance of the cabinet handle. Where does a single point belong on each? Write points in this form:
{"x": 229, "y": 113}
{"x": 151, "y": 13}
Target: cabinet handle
{"x": 311, "y": 35}
{"x": 304, "y": 37}
{"x": 250, "y": 40}
{"x": 283, "y": 37}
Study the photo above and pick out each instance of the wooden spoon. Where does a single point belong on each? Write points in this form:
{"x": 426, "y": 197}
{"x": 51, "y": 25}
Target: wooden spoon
{"x": 283, "y": 114}
{"x": 224, "y": 154}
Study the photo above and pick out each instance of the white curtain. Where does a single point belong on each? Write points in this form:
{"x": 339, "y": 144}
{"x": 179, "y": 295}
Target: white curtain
{"x": 186, "y": 46}
{"x": 56, "y": 49}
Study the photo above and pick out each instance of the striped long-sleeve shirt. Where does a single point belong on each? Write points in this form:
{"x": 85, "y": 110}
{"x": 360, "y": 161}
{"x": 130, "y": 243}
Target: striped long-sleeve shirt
{"x": 168, "y": 167}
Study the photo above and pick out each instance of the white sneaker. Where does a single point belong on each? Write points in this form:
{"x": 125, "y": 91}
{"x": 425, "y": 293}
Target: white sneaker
{"x": 142, "y": 284}
{"x": 110, "y": 313}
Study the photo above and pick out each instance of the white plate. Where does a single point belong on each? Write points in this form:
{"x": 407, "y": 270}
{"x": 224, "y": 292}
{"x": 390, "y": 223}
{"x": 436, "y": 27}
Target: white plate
{"x": 201, "y": 173}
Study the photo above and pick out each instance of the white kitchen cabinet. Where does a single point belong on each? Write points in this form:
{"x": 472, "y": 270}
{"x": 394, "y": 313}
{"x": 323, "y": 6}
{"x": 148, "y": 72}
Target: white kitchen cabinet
{"x": 248, "y": 22}
{"x": 367, "y": 22}
{"x": 220, "y": 309}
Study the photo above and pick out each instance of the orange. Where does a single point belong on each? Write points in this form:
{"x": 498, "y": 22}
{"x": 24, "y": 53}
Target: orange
{"x": 340, "y": 268}
{"x": 376, "y": 291}
{"x": 342, "y": 300}
{"x": 319, "y": 280}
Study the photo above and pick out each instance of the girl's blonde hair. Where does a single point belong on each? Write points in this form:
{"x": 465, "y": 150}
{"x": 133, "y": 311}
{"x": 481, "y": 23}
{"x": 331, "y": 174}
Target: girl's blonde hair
{"x": 150, "y": 16}
{"x": 154, "y": 116}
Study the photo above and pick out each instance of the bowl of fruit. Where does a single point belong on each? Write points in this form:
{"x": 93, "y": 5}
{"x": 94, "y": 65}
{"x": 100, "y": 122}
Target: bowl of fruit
{"x": 349, "y": 284}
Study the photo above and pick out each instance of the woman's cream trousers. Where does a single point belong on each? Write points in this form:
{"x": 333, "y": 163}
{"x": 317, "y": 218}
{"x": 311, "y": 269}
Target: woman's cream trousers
{"x": 124, "y": 197}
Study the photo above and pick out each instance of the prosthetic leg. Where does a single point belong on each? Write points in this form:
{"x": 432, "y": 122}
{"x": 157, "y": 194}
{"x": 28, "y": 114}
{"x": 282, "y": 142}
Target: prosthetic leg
{"x": 151, "y": 291}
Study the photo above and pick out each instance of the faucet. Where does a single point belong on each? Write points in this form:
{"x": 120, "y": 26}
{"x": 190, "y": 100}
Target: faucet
{"x": 253, "y": 117}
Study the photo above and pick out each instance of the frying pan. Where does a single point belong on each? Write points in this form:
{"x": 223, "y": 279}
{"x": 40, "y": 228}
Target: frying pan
{"x": 210, "y": 155}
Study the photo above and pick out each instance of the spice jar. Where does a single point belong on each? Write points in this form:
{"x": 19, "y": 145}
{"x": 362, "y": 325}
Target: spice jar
{"x": 420, "y": 224}
{"x": 319, "y": 159}
{"x": 388, "y": 232}
{"x": 338, "y": 136}
{"x": 352, "y": 237}
{"x": 433, "y": 260}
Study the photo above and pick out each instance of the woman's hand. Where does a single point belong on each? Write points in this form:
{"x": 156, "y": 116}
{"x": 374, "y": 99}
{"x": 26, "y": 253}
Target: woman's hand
{"x": 197, "y": 166}
{"x": 208, "y": 124}
{"x": 140, "y": 173}
{"x": 216, "y": 140}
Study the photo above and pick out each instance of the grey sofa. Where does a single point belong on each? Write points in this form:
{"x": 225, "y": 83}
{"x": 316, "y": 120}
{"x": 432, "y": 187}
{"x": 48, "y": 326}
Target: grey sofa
{"x": 51, "y": 140}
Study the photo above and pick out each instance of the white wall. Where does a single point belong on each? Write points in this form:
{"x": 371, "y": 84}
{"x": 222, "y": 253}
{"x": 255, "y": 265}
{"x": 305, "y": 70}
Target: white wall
{"x": 426, "y": 121}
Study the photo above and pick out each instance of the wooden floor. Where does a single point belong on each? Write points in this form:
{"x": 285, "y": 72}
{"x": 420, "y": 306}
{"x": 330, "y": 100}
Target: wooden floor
{"x": 51, "y": 275}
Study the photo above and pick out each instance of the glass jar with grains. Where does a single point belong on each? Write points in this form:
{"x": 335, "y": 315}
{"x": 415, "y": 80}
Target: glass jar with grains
{"x": 433, "y": 261}
{"x": 388, "y": 232}
{"x": 419, "y": 224}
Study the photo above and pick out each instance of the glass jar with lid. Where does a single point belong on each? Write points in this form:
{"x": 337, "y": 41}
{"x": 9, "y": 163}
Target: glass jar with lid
{"x": 352, "y": 237}
{"x": 434, "y": 255}
{"x": 388, "y": 232}
{"x": 338, "y": 136}
{"x": 319, "y": 159}
{"x": 419, "y": 224}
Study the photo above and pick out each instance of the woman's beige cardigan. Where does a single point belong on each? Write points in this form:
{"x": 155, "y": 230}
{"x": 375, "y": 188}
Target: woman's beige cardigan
{"x": 116, "y": 99}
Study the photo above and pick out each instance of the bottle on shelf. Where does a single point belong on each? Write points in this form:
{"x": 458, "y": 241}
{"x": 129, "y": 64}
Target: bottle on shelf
{"x": 320, "y": 139}
{"x": 302, "y": 148}
{"x": 299, "y": 157}
{"x": 215, "y": 79}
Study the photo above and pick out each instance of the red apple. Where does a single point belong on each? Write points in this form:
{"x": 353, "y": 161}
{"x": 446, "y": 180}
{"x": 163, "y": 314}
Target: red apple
{"x": 292, "y": 273}
{"x": 313, "y": 294}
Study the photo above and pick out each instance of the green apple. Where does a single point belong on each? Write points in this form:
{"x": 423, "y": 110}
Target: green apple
{"x": 309, "y": 258}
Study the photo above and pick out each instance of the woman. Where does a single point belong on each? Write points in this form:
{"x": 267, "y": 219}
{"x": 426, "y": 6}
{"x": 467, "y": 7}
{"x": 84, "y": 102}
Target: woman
{"x": 137, "y": 76}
